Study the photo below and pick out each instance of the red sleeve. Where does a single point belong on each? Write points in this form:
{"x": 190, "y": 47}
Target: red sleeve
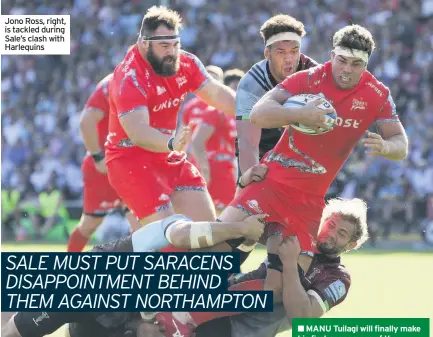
{"x": 295, "y": 84}
{"x": 388, "y": 111}
{"x": 209, "y": 116}
{"x": 198, "y": 75}
{"x": 129, "y": 94}
{"x": 99, "y": 99}
{"x": 330, "y": 291}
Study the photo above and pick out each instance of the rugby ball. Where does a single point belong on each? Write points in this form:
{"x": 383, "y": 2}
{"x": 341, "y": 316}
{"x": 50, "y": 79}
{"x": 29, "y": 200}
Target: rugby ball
{"x": 303, "y": 99}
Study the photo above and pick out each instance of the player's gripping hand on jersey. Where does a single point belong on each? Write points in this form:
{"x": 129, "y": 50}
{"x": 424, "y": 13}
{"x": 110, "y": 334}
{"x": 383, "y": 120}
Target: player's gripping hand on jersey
{"x": 289, "y": 250}
{"x": 254, "y": 227}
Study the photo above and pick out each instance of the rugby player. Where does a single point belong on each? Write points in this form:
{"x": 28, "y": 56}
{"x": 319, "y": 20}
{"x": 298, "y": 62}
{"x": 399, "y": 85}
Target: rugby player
{"x": 302, "y": 167}
{"x": 282, "y": 35}
{"x": 212, "y": 147}
{"x": 98, "y": 196}
{"x": 313, "y": 284}
{"x": 146, "y": 164}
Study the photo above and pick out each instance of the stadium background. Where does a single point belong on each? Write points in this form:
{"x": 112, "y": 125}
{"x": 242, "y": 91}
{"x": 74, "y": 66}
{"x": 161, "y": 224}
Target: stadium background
{"x": 42, "y": 97}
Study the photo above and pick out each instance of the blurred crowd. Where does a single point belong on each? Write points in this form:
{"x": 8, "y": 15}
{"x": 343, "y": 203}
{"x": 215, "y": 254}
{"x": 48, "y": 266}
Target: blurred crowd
{"x": 42, "y": 95}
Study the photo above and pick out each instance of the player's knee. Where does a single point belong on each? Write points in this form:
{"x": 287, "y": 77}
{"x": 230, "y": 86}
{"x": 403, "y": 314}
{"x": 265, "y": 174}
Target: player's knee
{"x": 9, "y": 329}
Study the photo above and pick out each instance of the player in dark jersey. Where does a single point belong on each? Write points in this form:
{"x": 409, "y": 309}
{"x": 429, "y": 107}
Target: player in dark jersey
{"x": 343, "y": 228}
{"x": 282, "y": 36}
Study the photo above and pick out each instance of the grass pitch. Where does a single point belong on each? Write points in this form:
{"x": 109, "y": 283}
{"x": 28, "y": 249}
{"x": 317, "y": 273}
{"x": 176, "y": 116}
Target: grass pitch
{"x": 383, "y": 284}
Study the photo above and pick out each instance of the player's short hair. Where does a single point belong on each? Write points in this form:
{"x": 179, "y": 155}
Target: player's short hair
{"x": 157, "y": 16}
{"x": 232, "y": 75}
{"x": 281, "y": 23}
{"x": 354, "y": 37}
{"x": 217, "y": 71}
{"x": 352, "y": 210}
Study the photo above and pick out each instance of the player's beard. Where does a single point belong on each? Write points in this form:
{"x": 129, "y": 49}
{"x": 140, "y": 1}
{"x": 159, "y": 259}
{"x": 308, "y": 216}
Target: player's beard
{"x": 325, "y": 248}
{"x": 161, "y": 66}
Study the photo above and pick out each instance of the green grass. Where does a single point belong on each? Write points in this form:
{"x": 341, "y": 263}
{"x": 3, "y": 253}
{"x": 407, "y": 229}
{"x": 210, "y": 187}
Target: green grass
{"x": 383, "y": 284}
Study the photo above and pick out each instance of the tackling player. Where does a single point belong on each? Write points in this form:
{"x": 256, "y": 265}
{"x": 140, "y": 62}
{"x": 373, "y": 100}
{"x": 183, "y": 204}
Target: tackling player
{"x": 98, "y": 195}
{"x": 313, "y": 284}
{"x": 212, "y": 147}
{"x": 282, "y": 35}
{"x": 147, "y": 88}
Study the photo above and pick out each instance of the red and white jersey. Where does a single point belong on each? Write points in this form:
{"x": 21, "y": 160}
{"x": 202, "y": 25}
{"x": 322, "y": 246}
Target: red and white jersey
{"x": 223, "y": 138}
{"x": 311, "y": 162}
{"x": 136, "y": 85}
{"x": 99, "y": 100}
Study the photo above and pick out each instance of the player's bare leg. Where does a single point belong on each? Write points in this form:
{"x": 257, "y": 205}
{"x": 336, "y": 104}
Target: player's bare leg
{"x": 83, "y": 232}
{"x": 162, "y": 214}
{"x": 197, "y": 205}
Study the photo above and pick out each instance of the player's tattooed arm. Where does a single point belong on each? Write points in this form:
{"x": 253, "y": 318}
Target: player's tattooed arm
{"x": 390, "y": 142}
{"x": 136, "y": 125}
{"x": 218, "y": 95}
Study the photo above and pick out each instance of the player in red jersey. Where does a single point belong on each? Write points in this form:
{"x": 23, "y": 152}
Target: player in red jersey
{"x": 146, "y": 91}
{"x": 212, "y": 147}
{"x": 302, "y": 167}
{"x": 99, "y": 196}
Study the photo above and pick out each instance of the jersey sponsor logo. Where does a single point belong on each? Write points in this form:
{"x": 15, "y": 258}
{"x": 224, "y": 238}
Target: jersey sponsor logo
{"x": 313, "y": 274}
{"x": 254, "y": 205}
{"x": 348, "y": 123}
{"x": 160, "y": 90}
{"x": 38, "y": 319}
{"x": 169, "y": 103}
{"x": 358, "y": 105}
{"x": 336, "y": 290}
{"x": 128, "y": 62}
{"x": 375, "y": 88}
{"x": 181, "y": 81}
